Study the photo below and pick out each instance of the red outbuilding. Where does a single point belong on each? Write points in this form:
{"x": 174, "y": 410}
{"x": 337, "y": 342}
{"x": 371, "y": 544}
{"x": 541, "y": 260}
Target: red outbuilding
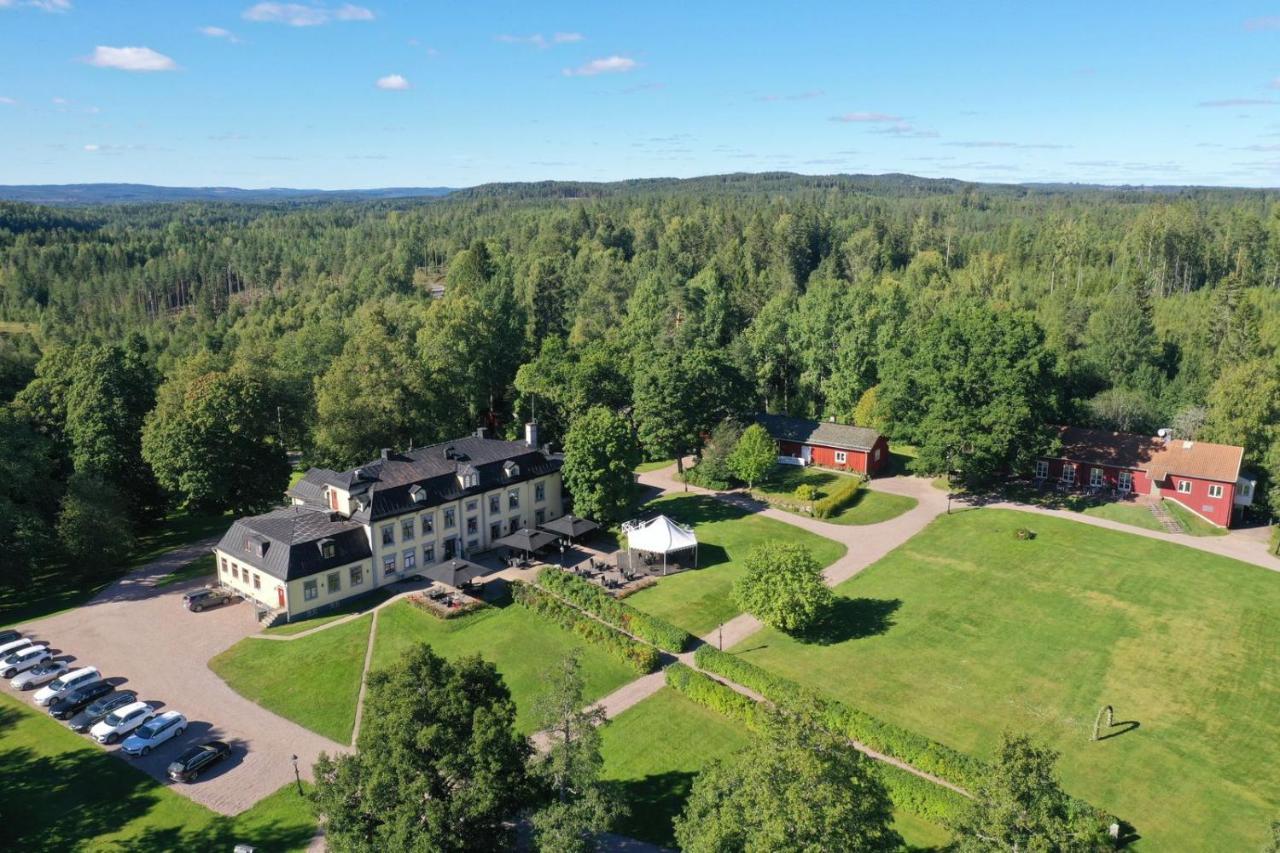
{"x": 826, "y": 443}
{"x": 1201, "y": 476}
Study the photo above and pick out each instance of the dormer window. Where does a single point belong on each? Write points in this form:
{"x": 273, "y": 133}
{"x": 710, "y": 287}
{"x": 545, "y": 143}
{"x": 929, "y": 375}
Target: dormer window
{"x": 328, "y": 549}
{"x": 510, "y": 469}
{"x": 468, "y": 476}
{"x": 417, "y": 494}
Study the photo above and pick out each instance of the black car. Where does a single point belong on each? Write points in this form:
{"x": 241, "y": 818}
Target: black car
{"x": 9, "y": 635}
{"x": 203, "y": 599}
{"x": 84, "y": 720}
{"x": 67, "y": 705}
{"x": 196, "y": 760}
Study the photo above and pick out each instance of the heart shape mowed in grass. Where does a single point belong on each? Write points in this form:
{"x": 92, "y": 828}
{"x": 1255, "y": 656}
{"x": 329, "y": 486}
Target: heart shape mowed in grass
{"x": 1113, "y": 728}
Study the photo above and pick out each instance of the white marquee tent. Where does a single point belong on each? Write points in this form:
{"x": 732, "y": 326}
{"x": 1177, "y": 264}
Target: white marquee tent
{"x": 662, "y": 536}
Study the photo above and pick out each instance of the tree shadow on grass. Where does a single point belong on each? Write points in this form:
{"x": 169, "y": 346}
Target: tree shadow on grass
{"x": 852, "y": 619}
{"x": 653, "y": 803}
{"x": 695, "y": 509}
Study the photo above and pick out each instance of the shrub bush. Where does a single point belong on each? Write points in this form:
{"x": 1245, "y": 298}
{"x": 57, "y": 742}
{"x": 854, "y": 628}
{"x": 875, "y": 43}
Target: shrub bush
{"x": 838, "y": 498}
{"x": 783, "y": 587}
{"x": 712, "y": 694}
{"x": 806, "y": 493}
{"x": 600, "y": 604}
{"x": 920, "y": 797}
{"x": 643, "y": 657}
{"x": 1025, "y": 534}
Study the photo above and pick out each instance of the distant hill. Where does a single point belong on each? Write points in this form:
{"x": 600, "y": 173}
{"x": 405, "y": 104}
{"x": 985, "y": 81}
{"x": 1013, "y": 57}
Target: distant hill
{"x": 149, "y": 194}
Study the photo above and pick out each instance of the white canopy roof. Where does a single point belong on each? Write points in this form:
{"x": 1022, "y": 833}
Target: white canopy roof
{"x": 659, "y": 535}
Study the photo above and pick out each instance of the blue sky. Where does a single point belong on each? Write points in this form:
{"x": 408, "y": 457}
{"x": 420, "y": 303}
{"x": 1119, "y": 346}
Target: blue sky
{"x": 341, "y": 95}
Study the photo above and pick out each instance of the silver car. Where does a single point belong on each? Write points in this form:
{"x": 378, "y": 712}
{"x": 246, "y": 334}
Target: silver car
{"x": 41, "y": 673}
{"x": 23, "y": 660}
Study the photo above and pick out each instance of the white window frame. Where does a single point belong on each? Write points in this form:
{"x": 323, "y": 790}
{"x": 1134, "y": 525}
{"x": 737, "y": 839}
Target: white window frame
{"x": 1125, "y": 481}
{"x": 1215, "y": 491}
{"x": 410, "y": 557}
{"x": 356, "y": 575}
{"x": 428, "y": 524}
{"x": 1042, "y": 469}
{"x": 407, "y": 530}
{"x": 333, "y": 582}
{"x": 1097, "y": 477}
{"x": 539, "y": 492}
{"x": 842, "y": 458}
{"x": 1068, "y": 474}
{"x": 1184, "y": 487}
{"x": 429, "y": 555}
{"x": 388, "y": 535}
{"x": 388, "y": 564}
{"x": 310, "y": 590}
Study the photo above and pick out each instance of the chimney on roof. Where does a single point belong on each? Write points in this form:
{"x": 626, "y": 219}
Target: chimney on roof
{"x": 1164, "y": 434}
{"x": 386, "y": 453}
{"x": 482, "y": 432}
{"x": 531, "y": 434}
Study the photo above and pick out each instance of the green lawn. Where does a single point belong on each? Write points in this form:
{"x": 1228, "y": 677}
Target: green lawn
{"x": 646, "y": 467}
{"x": 55, "y": 590}
{"x": 1192, "y": 523}
{"x": 701, "y": 599}
{"x": 352, "y": 605}
{"x": 313, "y": 681}
{"x": 965, "y": 631}
{"x": 521, "y": 645}
{"x": 64, "y": 793}
{"x": 870, "y": 507}
{"x": 1125, "y": 512}
{"x": 653, "y": 751}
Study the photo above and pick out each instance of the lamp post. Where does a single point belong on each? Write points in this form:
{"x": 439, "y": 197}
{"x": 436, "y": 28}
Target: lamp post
{"x": 951, "y": 451}
{"x": 297, "y": 777}
{"x": 720, "y": 637}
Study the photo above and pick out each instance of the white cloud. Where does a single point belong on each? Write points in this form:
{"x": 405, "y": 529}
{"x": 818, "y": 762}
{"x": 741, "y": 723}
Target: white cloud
{"x": 219, "y": 33}
{"x": 131, "y": 59}
{"x": 996, "y": 143}
{"x": 567, "y": 38}
{"x": 868, "y": 117}
{"x": 91, "y": 147}
{"x": 392, "y": 83}
{"x": 42, "y": 5}
{"x": 8, "y": 102}
{"x": 1239, "y": 102}
{"x": 606, "y": 65}
{"x": 305, "y": 14}
{"x": 539, "y": 40}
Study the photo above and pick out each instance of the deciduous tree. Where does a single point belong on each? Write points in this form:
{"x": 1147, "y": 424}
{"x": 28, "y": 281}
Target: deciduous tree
{"x": 754, "y": 455}
{"x": 600, "y": 455}
{"x": 783, "y": 587}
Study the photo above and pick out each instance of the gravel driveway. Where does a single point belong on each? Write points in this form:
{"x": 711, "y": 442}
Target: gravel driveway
{"x": 142, "y": 638}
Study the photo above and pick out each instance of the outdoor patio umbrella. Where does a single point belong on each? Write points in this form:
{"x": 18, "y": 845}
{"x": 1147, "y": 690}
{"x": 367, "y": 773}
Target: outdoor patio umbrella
{"x": 455, "y": 572}
{"x": 570, "y": 526}
{"x": 525, "y": 540}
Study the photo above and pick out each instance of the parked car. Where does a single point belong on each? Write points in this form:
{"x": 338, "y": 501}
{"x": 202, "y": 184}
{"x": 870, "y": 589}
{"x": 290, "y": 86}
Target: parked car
{"x": 8, "y": 635}
{"x": 98, "y": 710}
{"x": 194, "y": 761}
{"x": 64, "y": 683}
{"x": 9, "y": 647}
{"x": 70, "y": 703}
{"x": 121, "y": 721}
{"x": 41, "y": 673}
{"x": 203, "y": 599}
{"x": 159, "y": 729}
{"x": 23, "y": 659}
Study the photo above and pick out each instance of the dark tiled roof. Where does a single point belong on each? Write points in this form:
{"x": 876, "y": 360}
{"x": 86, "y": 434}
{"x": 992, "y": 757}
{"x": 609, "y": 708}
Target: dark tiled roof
{"x": 822, "y": 433}
{"x": 383, "y": 486}
{"x": 286, "y": 543}
{"x": 1152, "y": 454}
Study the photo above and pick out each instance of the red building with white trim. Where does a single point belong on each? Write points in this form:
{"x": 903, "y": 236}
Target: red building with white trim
{"x": 1199, "y": 475}
{"x": 828, "y": 444}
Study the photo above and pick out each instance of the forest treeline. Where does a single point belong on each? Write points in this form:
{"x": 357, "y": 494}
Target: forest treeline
{"x": 162, "y": 355}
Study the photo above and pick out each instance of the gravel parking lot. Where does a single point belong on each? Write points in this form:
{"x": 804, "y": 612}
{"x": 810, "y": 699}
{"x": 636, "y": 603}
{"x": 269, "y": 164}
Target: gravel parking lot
{"x": 141, "y": 638}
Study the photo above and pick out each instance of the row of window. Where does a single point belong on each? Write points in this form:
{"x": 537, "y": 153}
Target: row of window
{"x": 234, "y": 569}
{"x": 1097, "y": 477}
{"x": 332, "y": 582}
{"x": 408, "y": 526}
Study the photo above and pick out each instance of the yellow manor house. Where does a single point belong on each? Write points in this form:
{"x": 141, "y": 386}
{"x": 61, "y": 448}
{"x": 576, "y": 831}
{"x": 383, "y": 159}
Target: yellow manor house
{"x": 347, "y": 533}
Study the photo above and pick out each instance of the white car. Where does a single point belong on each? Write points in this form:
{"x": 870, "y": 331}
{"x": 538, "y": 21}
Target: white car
{"x": 39, "y": 674}
{"x": 122, "y": 721}
{"x": 23, "y": 659}
{"x": 159, "y": 729}
{"x": 79, "y": 678}
{"x": 14, "y": 646}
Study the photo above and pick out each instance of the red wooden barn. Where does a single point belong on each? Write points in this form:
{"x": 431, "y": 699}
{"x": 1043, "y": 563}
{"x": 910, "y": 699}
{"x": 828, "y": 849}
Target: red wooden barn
{"x": 829, "y": 444}
{"x": 1201, "y": 476}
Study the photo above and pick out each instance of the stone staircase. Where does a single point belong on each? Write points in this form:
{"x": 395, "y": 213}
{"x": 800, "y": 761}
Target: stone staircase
{"x": 274, "y": 618}
{"x": 1167, "y": 521}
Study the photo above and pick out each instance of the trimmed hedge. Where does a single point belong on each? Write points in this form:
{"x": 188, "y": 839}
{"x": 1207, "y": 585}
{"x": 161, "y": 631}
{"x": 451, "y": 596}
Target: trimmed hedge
{"x": 839, "y": 498}
{"x": 710, "y": 693}
{"x": 600, "y": 604}
{"x": 916, "y": 750}
{"x": 886, "y": 738}
{"x": 644, "y": 658}
{"x": 920, "y": 797}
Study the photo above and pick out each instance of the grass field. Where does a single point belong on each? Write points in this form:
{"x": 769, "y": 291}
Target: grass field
{"x": 54, "y": 589}
{"x": 868, "y": 507}
{"x": 203, "y": 567}
{"x": 701, "y": 599}
{"x": 646, "y": 467}
{"x": 358, "y": 604}
{"x": 965, "y": 631}
{"x": 653, "y": 751}
{"x": 1192, "y": 523}
{"x": 520, "y": 644}
{"x": 64, "y": 793}
{"x": 313, "y": 681}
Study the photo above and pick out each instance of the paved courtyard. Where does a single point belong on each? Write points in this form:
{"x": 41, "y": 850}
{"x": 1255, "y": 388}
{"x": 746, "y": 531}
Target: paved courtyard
{"x": 141, "y": 638}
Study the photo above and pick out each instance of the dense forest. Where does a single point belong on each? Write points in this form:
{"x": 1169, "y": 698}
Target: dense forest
{"x": 162, "y": 355}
